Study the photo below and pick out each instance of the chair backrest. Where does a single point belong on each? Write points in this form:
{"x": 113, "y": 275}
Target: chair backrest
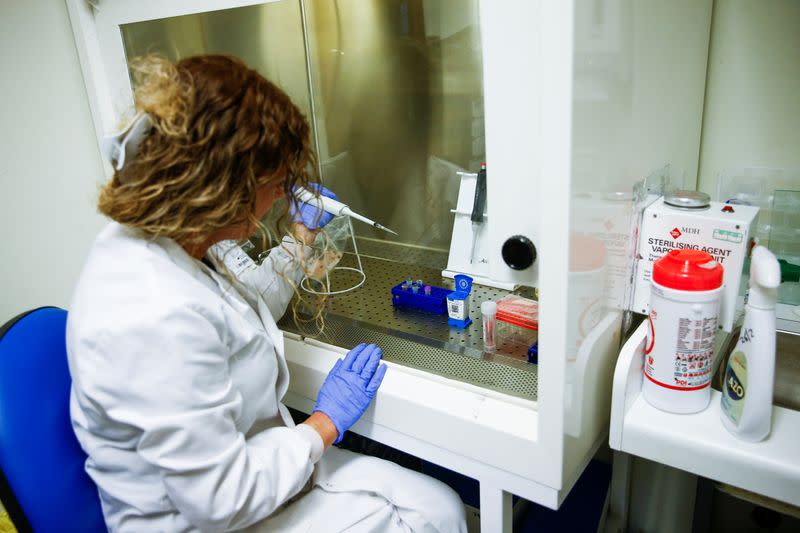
{"x": 44, "y": 485}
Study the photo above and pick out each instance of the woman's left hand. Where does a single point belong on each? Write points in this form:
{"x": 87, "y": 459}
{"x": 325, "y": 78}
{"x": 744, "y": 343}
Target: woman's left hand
{"x": 303, "y": 234}
{"x": 350, "y": 387}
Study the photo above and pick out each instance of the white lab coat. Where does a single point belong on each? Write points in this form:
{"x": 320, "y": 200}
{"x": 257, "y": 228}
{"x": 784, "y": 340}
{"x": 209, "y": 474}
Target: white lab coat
{"x": 178, "y": 378}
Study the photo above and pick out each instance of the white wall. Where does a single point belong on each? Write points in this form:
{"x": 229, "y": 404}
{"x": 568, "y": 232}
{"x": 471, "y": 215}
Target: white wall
{"x": 752, "y": 109}
{"x": 50, "y": 166}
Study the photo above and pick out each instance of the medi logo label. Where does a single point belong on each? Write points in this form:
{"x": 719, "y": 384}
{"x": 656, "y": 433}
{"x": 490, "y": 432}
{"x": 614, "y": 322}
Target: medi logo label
{"x": 675, "y": 233}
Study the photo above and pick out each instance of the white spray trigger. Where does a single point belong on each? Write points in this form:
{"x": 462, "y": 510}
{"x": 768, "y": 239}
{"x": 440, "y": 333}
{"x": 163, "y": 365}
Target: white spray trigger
{"x": 764, "y": 268}
{"x": 765, "y": 276}
{"x": 122, "y": 146}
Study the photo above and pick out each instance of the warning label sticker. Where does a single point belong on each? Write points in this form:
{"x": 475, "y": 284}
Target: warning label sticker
{"x": 726, "y": 235}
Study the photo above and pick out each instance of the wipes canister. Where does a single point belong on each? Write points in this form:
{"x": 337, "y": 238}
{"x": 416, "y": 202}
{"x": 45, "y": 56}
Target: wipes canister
{"x": 684, "y": 309}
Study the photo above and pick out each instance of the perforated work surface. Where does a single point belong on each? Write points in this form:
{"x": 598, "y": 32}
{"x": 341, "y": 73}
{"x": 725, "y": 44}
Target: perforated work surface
{"x": 421, "y": 340}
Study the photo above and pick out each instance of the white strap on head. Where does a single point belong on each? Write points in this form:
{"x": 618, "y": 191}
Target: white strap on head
{"x": 124, "y": 145}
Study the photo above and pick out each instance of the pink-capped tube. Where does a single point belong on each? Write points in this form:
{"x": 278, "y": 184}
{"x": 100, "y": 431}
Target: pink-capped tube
{"x": 488, "y": 313}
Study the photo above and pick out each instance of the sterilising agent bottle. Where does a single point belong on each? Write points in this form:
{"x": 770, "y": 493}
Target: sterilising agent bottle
{"x": 684, "y": 309}
{"x": 746, "y": 405}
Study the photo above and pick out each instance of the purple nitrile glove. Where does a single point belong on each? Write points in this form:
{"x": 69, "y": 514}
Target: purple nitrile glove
{"x": 309, "y": 213}
{"x": 350, "y": 386}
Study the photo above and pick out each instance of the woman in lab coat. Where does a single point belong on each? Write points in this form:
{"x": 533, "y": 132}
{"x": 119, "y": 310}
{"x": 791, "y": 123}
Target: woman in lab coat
{"x": 177, "y": 363}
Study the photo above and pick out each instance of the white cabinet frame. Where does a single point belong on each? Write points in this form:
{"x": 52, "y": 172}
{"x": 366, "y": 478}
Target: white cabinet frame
{"x": 509, "y": 445}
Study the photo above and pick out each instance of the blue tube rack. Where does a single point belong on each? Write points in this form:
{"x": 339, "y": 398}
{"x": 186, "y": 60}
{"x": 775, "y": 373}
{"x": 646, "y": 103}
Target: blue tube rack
{"x": 435, "y": 302}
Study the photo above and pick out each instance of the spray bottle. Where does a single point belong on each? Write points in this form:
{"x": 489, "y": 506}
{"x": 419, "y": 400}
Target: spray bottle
{"x": 746, "y": 409}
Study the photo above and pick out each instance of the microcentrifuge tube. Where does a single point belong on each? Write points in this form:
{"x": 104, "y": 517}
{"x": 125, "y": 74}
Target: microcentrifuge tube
{"x": 488, "y": 313}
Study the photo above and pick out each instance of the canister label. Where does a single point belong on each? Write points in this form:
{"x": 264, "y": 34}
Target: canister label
{"x": 680, "y": 344}
{"x": 735, "y": 387}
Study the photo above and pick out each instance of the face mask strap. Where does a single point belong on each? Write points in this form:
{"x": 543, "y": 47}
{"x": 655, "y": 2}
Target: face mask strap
{"x": 124, "y": 146}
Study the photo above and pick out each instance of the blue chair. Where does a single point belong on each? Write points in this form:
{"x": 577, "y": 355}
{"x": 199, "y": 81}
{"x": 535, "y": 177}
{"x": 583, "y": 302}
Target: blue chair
{"x": 43, "y": 484}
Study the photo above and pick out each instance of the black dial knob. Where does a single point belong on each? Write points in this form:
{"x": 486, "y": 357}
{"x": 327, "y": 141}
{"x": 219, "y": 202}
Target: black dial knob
{"x": 519, "y": 252}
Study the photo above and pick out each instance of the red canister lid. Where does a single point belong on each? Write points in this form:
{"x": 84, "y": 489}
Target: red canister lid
{"x": 688, "y": 270}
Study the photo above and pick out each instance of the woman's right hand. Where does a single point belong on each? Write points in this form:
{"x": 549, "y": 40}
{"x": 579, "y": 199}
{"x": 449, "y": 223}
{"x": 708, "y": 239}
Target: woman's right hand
{"x": 310, "y": 214}
{"x": 350, "y": 386}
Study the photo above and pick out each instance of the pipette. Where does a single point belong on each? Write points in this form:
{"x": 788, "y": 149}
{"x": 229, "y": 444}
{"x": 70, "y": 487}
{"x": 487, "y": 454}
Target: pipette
{"x": 335, "y": 207}
{"x": 478, "y": 207}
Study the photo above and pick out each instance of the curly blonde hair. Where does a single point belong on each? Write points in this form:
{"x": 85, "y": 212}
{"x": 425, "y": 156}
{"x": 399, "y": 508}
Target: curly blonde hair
{"x": 220, "y": 132}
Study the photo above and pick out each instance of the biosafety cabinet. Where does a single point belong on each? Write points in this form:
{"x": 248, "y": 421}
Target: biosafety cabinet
{"x": 582, "y": 111}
